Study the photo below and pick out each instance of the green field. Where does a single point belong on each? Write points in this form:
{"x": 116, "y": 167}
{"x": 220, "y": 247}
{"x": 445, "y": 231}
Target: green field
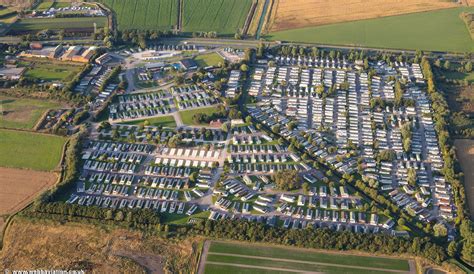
{"x": 76, "y": 23}
{"x": 22, "y": 113}
{"x": 226, "y": 17}
{"x": 187, "y": 115}
{"x": 144, "y": 14}
{"x": 164, "y": 121}
{"x": 51, "y": 71}
{"x": 440, "y": 30}
{"x": 247, "y": 258}
{"x": 209, "y": 59}
{"x": 19, "y": 149}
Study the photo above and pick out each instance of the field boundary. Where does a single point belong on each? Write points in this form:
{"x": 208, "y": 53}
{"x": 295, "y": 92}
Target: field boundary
{"x": 250, "y": 16}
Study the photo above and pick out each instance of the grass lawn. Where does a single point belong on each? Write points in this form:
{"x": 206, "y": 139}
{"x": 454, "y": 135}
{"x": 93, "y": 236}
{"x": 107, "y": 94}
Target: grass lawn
{"x": 187, "y": 115}
{"x": 19, "y": 149}
{"x": 308, "y": 255}
{"x": 182, "y": 219}
{"x": 440, "y": 30}
{"x": 74, "y": 23}
{"x": 164, "y": 121}
{"x": 23, "y": 113}
{"x": 209, "y": 59}
{"x": 51, "y": 71}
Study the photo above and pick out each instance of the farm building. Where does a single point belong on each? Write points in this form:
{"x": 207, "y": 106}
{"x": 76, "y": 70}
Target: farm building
{"x": 43, "y": 52}
{"x": 11, "y": 73}
{"x": 78, "y": 54}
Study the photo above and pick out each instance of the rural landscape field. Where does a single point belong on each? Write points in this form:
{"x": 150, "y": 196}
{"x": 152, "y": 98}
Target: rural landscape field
{"x": 69, "y": 24}
{"x": 228, "y": 257}
{"x": 144, "y": 14}
{"x": 290, "y": 14}
{"x": 226, "y": 17}
{"x": 440, "y": 30}
{"x": 30, "y": 151}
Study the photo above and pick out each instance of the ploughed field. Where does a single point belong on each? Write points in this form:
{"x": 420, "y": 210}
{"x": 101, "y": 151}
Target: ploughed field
{"x": 18, "y": 187}
{"x": 231, "y": 257}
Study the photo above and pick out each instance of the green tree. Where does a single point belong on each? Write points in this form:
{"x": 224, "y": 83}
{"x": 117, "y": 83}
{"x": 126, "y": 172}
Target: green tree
{"x": 468, "y": 66}
{"x": 447, "y": 65}
{"x": 287, "y": 180}
{"x": 440, "y": 230}
{"x": 452, "y": 249}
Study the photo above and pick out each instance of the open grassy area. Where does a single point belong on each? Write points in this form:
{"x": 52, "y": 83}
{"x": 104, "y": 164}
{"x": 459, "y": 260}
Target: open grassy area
{"x": 209, "y": 59}
{"x": 29, "y": 150}
{"x": 23, "y": 113}
{"x": 440, "y": 30}
{"x": 164, "y": 121}
{"x": 68, "y": 24}
{"x": 456, "y": 75}
{"x": 144, "y": 14}
{"x": 49, "y": 71}
{"x": 187, "y": 115}
{"x": 249, "y": 256}
{"x": 226, "y": 17}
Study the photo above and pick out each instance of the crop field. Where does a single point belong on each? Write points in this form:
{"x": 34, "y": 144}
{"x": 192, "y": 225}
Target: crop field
{"x": 187, "y": 115}
{"x": 45, "y": 5}
{"x": 289, "y": 14}
{"x": 440, "y": 30}
{"x": 67, "y": 24}
{"x": 22, "y": 113}
{"x": 144, "y": 14}
{"x": 230, "y": 257}
{"x": 18, "y": 187}
{"x": 20, "y": 149}
{"x": 164, "y": 121}
{"x": 226, "y": 17}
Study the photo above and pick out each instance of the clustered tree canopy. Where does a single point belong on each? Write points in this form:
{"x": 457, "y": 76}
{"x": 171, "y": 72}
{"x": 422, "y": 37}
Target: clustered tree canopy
{"x": 287, "y": 179}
